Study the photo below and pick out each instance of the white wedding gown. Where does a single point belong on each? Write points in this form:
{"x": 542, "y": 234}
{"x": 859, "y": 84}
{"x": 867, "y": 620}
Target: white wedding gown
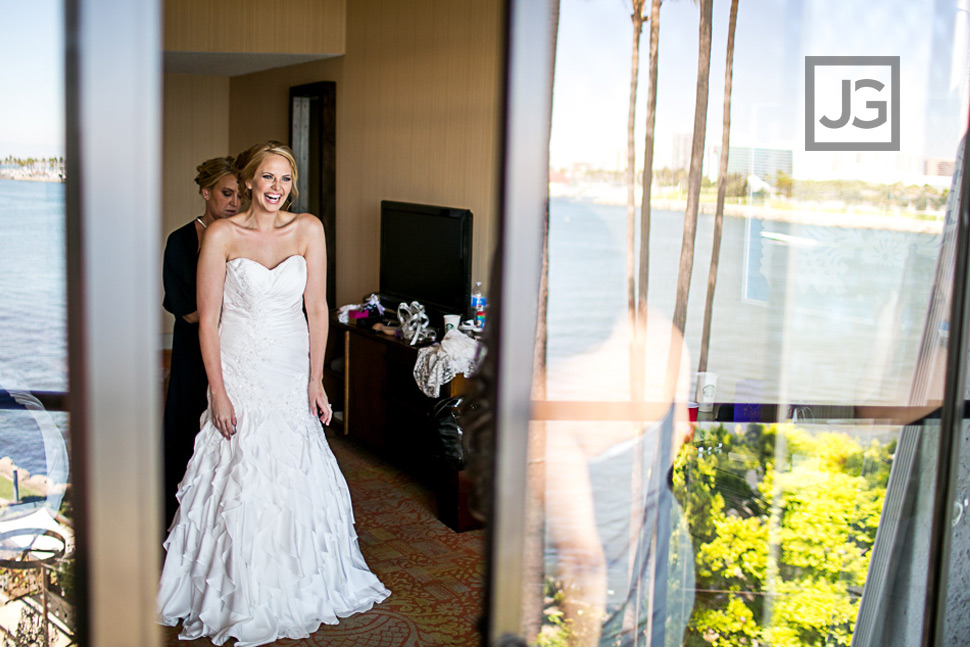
{"x": 263, "y": 545}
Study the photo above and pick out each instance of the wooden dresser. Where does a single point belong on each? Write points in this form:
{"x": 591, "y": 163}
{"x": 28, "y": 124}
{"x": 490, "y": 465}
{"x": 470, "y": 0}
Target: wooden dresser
{"x": 384, "y": 410}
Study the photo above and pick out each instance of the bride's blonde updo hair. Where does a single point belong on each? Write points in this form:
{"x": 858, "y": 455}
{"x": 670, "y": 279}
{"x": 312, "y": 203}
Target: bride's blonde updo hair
{"x": 247, "y": 163}
{"x": 209, "y": 172}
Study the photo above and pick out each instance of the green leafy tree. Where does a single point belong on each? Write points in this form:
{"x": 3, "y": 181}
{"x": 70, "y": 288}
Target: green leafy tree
{"x": 735, "y": 186}
{"x": 780, "y": 554}
{"x": 784, "y": 183}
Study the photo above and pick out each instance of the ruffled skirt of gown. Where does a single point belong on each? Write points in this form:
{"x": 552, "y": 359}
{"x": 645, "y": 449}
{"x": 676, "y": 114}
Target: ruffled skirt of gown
{"x": 263, "y": 545}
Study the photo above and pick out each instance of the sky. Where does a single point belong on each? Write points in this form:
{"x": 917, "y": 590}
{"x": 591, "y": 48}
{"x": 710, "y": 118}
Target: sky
{"x": 593, "y": 75}
{"x": 773, "y": 38}
{"x": 32, "y": 75}
{"x": 593, "y": 67}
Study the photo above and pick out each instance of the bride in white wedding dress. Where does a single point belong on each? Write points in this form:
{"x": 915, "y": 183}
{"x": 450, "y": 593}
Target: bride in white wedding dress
{"x": 263, "y": 545}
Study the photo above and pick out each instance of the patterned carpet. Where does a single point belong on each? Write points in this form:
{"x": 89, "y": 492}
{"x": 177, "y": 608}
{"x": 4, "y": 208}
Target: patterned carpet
{"x": 434, "y": 573}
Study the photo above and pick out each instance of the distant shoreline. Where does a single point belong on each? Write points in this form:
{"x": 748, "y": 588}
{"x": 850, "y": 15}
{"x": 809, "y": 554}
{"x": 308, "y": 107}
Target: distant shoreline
{"x": 34, "y": 178}
{"x": 804, "y": 214}
{"x": 818, "y": 217}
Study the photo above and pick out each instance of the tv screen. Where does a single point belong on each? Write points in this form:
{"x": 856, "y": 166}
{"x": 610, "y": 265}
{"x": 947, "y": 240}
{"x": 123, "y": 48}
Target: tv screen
{"x": 426, "y": 257}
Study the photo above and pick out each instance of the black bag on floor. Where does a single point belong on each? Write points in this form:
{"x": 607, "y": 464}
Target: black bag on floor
{"x": 447, "y": 432}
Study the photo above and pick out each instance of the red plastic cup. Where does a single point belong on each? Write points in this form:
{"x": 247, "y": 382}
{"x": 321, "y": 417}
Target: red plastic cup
{"x": 692, "y": 411}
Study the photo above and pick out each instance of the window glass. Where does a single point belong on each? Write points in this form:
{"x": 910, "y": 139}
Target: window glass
{"x": 36, "y": 516}
{"x": 768, "y": 481}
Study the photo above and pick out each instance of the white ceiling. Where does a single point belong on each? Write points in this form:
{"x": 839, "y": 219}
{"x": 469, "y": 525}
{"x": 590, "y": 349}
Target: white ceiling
{"x": 228, "y": 64}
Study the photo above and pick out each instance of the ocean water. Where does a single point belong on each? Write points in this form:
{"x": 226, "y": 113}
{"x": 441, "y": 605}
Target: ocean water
{"x": 33, "y": 316}
{"x": 809, "y": 313}
{"x": 829, "y": 314}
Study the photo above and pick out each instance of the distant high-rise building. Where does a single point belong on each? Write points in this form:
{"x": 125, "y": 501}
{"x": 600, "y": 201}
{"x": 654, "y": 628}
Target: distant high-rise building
{"x": 938, "y": 166}
{"x": 681, "y": 151}
{"x": 746, "y": 160}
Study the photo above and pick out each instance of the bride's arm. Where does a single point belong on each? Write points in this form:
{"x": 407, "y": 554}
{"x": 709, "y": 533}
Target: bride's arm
{"x": 210, "y": 284}
{"x": 318, "y": 314}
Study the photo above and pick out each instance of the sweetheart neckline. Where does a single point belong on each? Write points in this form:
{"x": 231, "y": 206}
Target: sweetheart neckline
{"x": 268, "y": 269}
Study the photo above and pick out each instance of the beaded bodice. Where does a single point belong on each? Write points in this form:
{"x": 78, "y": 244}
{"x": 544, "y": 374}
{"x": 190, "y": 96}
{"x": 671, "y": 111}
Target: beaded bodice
{"x": 263, "y": 335}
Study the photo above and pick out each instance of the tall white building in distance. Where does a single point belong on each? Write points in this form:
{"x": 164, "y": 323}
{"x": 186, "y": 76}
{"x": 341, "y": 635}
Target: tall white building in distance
{"x": 680, "y": 159}
{"x": 765, "y": 163}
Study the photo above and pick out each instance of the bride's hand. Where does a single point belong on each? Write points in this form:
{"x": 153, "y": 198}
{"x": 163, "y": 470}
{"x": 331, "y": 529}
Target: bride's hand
{"x": 223, "y": 415}
{"x": 319, "y": 404}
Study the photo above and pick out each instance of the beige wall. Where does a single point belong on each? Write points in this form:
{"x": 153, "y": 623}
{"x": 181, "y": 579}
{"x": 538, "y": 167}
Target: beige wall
{"x": 251, "y": 26}
{"x": 417, "y": 121}
{"x": 195, "y": 127}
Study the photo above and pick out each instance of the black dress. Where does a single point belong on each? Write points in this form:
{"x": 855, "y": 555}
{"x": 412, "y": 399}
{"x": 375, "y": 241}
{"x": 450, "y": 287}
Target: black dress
{"x": 187, "y": 383}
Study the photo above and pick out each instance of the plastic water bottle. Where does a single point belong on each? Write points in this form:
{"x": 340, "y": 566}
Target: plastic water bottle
{"x": 478, "y": 297}
{"x": 480, "y": 315}
{"x": 478, "y": 305}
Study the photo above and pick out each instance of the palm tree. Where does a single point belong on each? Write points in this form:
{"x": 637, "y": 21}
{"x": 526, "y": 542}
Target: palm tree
{"x": 721, "y": 189}
{"x": 644, "y": 278}
{"x": 631, "y": 176}
{"x": 696, "y": 162}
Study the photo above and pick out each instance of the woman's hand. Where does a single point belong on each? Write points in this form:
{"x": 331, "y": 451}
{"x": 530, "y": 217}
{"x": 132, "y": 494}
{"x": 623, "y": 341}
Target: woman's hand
{"x": 223, "y": 416}
{"x": 319, "y": 404}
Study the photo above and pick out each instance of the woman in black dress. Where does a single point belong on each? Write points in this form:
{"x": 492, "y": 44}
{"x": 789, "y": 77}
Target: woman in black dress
{"x": 186, "y": 398}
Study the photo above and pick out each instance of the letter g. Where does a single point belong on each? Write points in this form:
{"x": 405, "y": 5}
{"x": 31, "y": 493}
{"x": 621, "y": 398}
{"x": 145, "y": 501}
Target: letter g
{"x": 879, "y": 106}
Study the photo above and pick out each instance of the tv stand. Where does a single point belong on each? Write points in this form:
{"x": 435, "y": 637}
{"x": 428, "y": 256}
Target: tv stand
{"x": 384, "y": 410}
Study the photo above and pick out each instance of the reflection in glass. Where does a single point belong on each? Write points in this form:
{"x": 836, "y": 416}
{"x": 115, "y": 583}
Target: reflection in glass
{"x": 797, "y": 511}
{"x": 36, "y": 514}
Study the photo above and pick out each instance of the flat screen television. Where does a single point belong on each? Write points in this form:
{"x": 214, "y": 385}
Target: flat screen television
{"x": 426, "y": 256}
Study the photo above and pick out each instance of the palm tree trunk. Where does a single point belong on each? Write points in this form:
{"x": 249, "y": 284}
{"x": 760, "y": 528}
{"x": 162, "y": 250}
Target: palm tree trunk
{"x": 644, "y": 278}
{"x": 696, "y": 162}
{"x": 631, "y": 180}
{"x": 721, "y": 190}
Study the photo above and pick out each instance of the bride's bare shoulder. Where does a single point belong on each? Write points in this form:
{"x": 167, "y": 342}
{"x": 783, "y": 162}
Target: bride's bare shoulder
{"x": 231, "y": 225}
{"x": 305, "y": 217}
{"x": 221, "y": 231}
{"x": 309, "y": 224}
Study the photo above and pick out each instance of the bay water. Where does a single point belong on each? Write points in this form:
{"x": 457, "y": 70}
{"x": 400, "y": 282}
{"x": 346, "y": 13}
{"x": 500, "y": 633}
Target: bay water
{"x": 835, "y": 314}
{"x": 806, "y": 312}
{"x": 33, "y": 313}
